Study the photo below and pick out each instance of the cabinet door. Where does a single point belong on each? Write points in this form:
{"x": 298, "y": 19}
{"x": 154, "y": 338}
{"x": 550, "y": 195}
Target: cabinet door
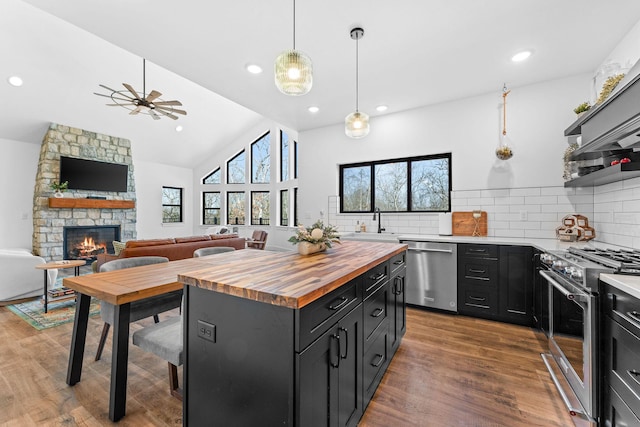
{"x": 330, "y": 376}
{"x": 398, "y": 307}
{"x": 515, "y": 286}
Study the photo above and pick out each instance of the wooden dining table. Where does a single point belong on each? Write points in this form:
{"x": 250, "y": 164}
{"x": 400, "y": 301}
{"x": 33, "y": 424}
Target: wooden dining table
{"x": 121, "y": 288}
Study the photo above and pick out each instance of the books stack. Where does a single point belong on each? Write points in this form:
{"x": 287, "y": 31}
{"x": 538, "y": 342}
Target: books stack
{"x": 60, "y": 292}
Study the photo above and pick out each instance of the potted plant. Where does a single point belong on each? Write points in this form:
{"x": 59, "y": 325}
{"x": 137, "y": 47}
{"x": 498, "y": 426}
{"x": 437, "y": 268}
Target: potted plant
{"x": 316, "y": 238}
{"x": 59, "y": 187}
{"x": 582, "y": 108}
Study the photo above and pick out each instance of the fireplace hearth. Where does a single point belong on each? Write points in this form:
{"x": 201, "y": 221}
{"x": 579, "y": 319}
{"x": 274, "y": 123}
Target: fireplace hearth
{"x": 87, "y": 242}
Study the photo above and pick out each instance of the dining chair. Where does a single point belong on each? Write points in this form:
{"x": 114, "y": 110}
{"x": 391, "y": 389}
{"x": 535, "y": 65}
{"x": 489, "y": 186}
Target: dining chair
{"x": 141, "y": 309}
{"x": 212, "y": 250}
{"x": 258, "y": 239}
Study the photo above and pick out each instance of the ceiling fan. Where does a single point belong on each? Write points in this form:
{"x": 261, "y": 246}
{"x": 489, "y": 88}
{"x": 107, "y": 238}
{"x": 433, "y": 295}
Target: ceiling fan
{"x": 150, "y": 103}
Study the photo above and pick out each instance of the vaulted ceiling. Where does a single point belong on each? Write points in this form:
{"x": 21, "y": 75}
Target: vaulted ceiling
{"x": 414, "y": 53}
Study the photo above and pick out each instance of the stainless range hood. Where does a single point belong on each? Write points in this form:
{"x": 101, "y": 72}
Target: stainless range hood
{"x": 614, "y": 124}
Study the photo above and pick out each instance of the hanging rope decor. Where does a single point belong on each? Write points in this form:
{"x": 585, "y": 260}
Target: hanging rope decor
{"x": 504, "y": 151}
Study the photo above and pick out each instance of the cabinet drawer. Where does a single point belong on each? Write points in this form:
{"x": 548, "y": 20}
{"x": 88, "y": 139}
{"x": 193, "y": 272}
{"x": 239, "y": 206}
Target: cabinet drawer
{"x": 316, "y": 318}
{"x": 623, "y": 363}
{"x": 623, "y": 308}
{"x": 616, "y": 413}
{"x": 375, "y": 311}
{"x": 375, "y": 361}
{"x": 398, "y": 262}
{"x": 479, "y": 251}
{"x": 475, "y": 300}
{"x": 374, "y": 277}
{"x": 477, "y": 270}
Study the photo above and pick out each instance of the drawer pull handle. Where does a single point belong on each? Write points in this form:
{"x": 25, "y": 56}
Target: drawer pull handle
{"x": 379, "y": 361}
{"x": 346, "y": 345}
{"x": 476, "y": 298}
{"x": 477, "y": 250}
{"x": 473, "y": 270}
{"x": 377, "y": 312}
{"x": 377, "y": 277}
{"x": 633, "y": 317}
{"x": 397, "y": 285}
{"x": 634, "y": 375}
{"x": 398, "y": 262}
{"x": 340, "y": 303}
{"x": 335, "y": 364}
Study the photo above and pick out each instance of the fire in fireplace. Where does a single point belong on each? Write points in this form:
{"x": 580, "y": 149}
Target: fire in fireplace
{"x": 87, "y": 242}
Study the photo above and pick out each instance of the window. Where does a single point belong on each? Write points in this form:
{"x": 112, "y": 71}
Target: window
{"x": 171, "y": 204}
{"x": 295, "y": 159}
{"x": 284, "y": 207}
{"x": 212, "y": 178}
{"x": 260, "y": 160}
{"x": 284, "y": 156}
{"x": 416, "y": 184}
{"x": 211, "y": 208}
{"x": 259, "y": 208}
{"x": 235, "y": 207}
{"x": 235, "y": 169}
{"x": 295, "y": 207}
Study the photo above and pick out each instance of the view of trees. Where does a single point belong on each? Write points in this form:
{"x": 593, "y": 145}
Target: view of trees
{"x": 212, "y": 178}
{"x": 260, "y": 208}
{"x": 211, "y": 206}
{"x": 284, "y": 207}
{"x": 235, "y": 207}
{"x": 171, "y": 204}
{"x": 261, "y": 160}
{"x": 284, "y": 156}
{"x": 425, "y": 181}
{"x": 235, "y": 169}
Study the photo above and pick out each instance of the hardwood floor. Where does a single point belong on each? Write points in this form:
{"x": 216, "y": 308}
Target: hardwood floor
{"x": 449, "y": 371}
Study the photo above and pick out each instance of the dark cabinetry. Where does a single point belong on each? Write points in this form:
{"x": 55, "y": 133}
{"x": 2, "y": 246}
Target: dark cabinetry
{"x": 621, "y": 358}
{"x": 496, "y": 282}
{"x": 398, "y": 306}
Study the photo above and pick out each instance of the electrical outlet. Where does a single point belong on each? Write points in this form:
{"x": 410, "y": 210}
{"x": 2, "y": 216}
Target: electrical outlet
{"x": 523, "y": 215}
{"x": 206, "y": 331}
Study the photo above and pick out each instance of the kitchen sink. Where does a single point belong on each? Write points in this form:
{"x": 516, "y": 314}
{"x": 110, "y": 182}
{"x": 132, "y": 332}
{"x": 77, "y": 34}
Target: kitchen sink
{"x": 371, "y": 237}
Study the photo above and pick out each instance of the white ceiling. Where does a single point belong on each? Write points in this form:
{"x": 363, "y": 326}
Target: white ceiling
{"x": 414, "y": 53}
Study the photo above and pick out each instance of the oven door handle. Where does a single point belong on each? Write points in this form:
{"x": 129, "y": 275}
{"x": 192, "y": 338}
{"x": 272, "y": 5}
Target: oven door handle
{"x": 579, "y": 296}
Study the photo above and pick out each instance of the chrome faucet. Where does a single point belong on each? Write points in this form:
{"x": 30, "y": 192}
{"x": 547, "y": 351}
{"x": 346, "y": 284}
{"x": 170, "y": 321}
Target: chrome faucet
{"x": 380, "y": 229}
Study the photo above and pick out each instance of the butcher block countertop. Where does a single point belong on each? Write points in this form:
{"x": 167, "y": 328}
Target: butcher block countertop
{"x": 288, "y": 279}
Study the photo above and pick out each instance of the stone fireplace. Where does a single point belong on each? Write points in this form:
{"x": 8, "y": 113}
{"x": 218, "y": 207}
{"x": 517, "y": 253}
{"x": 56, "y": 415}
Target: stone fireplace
{"x": 51, "y": 219}
{"x": 88, "y": 241}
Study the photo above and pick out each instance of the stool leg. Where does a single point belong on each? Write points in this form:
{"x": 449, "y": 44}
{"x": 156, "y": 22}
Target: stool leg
{"x": 173, "y": 381}
{"x": 103, "y": 339}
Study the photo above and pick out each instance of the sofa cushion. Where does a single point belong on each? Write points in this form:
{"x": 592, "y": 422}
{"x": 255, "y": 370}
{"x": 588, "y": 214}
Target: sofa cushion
{"x": 192, "y": 239}
{"x": 150, "y": 242}
{"x": 223, "y": 236}
{"x": 118, "y": 247}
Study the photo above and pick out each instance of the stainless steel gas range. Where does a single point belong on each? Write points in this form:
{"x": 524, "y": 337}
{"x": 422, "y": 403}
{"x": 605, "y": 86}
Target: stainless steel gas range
{"x": 573, "y": 288}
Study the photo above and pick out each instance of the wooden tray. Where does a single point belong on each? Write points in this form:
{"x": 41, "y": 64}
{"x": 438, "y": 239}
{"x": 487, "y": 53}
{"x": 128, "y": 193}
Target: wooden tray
{"x": 464, "y": 224}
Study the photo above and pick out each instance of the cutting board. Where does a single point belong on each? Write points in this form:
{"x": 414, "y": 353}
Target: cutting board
{"x": 463, "y": 223}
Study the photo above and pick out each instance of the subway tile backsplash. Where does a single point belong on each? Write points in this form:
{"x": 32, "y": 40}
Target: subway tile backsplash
{"x": 613, "y": 210}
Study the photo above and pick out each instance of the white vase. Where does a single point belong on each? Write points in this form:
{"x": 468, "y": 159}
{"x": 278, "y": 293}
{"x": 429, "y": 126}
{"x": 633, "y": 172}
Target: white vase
{"x": 306, "y": 248}
{"x": 58, "y": 194}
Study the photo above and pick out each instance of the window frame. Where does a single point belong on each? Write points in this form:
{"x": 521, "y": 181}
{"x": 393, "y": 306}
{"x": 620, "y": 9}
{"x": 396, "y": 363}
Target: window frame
{"x": 180, "y": 205}
{"x": 205, "y": 209}
{"x": 284, "y": 207}
{"x": 408, "y": 160}
{"x": 244, "y": 213}
{"x": 285, "y": 156}
{"x": 244, "y": 168}
{"x": 218, "y": 171}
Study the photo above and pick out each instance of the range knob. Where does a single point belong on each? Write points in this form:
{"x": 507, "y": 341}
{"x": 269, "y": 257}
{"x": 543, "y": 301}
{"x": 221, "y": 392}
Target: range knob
{"x": 559, "y": 264}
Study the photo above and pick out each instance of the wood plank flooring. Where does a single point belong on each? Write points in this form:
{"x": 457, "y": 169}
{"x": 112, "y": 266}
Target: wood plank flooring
{"x": 449, "y": 371}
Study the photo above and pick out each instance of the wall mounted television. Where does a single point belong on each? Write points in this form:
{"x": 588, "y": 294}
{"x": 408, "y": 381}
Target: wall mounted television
{"x": 83, "y": 174}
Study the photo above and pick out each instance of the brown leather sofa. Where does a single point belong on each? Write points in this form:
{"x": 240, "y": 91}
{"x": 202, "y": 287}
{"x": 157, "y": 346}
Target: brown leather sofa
{"x": 173, "y": 248}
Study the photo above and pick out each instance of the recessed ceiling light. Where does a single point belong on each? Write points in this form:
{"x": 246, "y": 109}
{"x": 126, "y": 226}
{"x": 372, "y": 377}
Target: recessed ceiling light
{"x": 254, "y": 69}
{"x": 179, "y": 128}
{"x": 313, "y": 109}
{"x": 521, "y": 56}
{"x": 15, "y": 81}
{"x": 381, "y": 108}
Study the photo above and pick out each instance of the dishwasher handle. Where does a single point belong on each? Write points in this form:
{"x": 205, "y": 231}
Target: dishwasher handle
{"x": 446, "y": 251}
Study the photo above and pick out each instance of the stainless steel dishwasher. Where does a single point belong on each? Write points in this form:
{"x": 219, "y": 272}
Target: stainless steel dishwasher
{"x": 432, "y": 275}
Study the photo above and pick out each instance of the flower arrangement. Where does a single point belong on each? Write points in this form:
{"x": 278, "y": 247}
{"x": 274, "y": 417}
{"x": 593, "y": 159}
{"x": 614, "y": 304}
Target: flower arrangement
{"x": 60, "y": 186}
{"x": 585, "y": 106}
{"x": 317, "y": 233}
{"x": 608, "y": 87}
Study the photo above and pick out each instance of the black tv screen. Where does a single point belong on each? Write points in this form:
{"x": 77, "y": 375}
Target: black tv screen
{"x": 92, "y": 175}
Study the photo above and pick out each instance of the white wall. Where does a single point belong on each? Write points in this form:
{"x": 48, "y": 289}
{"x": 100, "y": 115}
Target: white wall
{"x": 150, "y": 178}
{"x": 470, "y": 128}
{"x": 18, "y": 165}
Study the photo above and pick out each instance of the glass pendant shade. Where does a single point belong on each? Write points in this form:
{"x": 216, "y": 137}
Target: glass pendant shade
{"x": 293, "y": 73}
{"x": 356, "y": 125}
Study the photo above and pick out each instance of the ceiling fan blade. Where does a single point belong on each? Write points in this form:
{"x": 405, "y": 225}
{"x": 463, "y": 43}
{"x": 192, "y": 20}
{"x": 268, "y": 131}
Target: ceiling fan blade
{"x": 153, "y": 95}
{"x": 166, "y": 114}
{"x": 168, "y": 103}
{"x": 170, "y": 110}
{"x": 108, "y": 88}
{"x": 114, "y": 97}
{"x": 136, "y": 110}
{"x": 130, "y": 89}
{"x": 154, "y": 115}
{"x": 120, "y": 105}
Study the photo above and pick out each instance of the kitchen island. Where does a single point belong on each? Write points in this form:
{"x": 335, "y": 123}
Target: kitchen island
{"x": 285, "y": 339}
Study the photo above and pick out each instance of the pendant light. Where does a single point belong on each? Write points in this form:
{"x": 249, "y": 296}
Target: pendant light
{"x": 504, "y": 151}
{"x": 293, "y": 69}
{"x": 356, "y": 124}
